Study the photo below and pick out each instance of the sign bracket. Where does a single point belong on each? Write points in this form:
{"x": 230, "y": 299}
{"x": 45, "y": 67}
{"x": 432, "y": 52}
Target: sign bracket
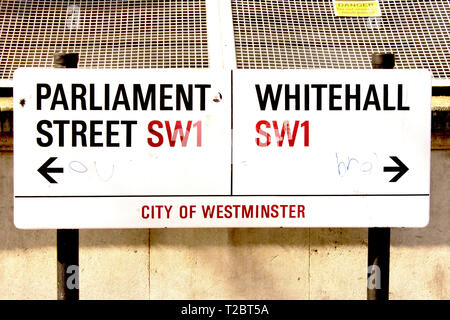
{"x": 379, "y": 238}
{"x": 67, "y": 240}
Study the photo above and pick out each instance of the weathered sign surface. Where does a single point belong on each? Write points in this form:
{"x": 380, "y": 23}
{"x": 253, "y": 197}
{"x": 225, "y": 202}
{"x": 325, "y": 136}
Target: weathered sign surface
{"x": 200, "y": 148}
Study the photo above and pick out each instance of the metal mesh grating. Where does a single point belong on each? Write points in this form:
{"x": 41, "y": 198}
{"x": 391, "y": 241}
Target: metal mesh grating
{"x": 306, "y": 34}
{"x": 107, "y": 34}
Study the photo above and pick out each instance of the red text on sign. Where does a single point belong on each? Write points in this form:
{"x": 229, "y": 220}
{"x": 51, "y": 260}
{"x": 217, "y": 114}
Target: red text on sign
{"x": 291, "y": 135}
{"x": 173, "y": 132}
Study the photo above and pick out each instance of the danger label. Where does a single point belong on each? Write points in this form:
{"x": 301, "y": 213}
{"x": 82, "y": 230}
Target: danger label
{"x": 357, "y": 8}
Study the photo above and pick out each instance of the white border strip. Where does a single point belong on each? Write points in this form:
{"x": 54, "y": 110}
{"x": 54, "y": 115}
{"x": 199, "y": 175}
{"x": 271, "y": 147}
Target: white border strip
{"x": 228, "y": 44}
{"x": 221, "y": 47}
{"x": 6, "y": 83}
{"x": 215, "y": 53}
{"x": 228, "y": 61}
{"x": 440, "y": 82}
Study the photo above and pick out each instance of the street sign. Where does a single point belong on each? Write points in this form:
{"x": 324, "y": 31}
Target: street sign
{"x": 203, "y": 148}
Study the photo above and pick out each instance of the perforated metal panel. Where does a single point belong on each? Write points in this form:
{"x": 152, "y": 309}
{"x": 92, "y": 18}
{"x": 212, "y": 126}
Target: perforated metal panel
{"x": 107, "y": 34}
{"x": 307, "y": 34}
{"x": 268, "y": 34}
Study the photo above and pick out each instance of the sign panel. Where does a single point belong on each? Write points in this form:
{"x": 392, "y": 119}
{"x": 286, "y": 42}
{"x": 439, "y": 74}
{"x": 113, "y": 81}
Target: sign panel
{"x": 88, "y": 139}
{"x": 353, "y": 145}
{"x": 201, "y": 148}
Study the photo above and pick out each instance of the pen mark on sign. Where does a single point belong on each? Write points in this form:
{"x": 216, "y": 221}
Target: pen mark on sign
{"x": 343, "y": 166}
{"x": 78, "y": 167}
{"x": 101, "y": 178}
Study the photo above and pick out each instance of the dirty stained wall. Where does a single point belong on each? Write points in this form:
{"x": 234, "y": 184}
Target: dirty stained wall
{"x": 325, "y": 263}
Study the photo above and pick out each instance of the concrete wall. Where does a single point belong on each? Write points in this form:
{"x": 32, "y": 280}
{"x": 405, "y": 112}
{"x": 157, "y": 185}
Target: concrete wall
{"x": 228, "y": 263}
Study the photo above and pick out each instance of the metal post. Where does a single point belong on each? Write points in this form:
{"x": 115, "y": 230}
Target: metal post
{"x": 379, "y": 238}
{"x": 67, "y": 240}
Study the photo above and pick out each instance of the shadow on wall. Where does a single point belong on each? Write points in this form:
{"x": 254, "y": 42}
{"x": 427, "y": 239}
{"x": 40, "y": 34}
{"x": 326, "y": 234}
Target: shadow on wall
{"x": 436, "y": 233}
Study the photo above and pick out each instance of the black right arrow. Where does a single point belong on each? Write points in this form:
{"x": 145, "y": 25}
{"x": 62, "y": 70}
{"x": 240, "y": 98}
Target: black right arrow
{"x": 45, "y": 170}
{"x": 401, "y": 169}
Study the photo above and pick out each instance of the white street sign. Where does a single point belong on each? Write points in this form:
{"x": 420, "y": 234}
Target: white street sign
{"x": 155, "y": 148}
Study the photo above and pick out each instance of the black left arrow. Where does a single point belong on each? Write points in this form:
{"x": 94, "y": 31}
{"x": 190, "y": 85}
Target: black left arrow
{"x": 401, "y": 169}
{"x": 45, "y": 170}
